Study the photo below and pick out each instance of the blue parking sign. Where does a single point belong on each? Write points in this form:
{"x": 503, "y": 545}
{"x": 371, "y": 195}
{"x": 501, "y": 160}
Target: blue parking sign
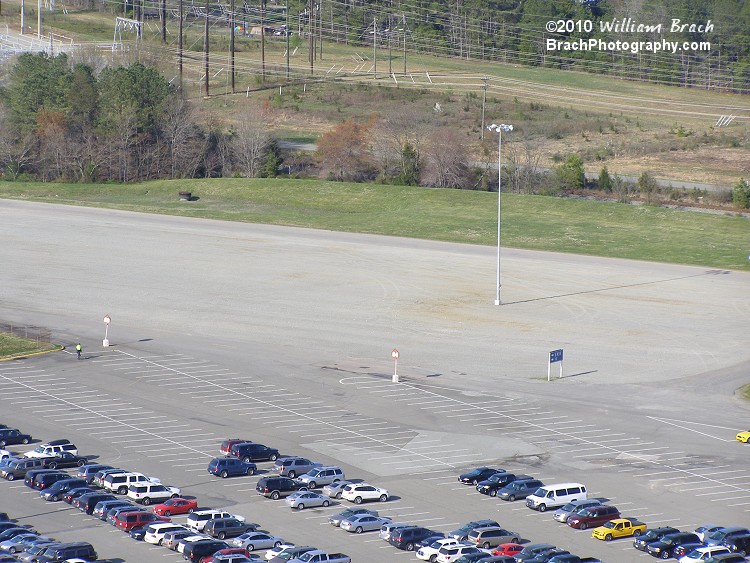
{"x": 556, "y": 356}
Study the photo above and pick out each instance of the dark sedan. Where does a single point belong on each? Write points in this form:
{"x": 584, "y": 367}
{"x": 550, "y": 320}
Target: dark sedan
{"x": 664, "y": 548}
{"x": 478, "y": 474}
{"x": 65, "y": 459}
{"x": 9, "y": 436}
{"x": 654, "y": 534}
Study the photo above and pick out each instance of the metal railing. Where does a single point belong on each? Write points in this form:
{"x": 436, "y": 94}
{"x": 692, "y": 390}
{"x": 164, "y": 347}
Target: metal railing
{"x": 30, "y": 332}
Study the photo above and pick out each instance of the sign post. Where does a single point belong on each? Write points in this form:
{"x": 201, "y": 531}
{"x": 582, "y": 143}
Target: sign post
{"x": 107, "y": 320}
{"x": 555, "y": 356}
{"x": 394, "y": 355}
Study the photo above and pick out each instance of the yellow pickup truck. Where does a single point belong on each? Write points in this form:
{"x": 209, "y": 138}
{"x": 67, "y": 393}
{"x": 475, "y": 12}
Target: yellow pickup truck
{"x": 619, "y": 528}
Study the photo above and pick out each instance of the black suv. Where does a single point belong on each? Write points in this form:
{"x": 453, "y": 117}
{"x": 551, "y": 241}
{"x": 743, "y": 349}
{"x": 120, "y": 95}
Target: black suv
{"x": 10, "y": 436}
{"x": 655, "y": 534}
{"x": 407, "y": 538}
{"x": 498, "y": 481}
{"x": 277, "y": 487}
{"x": 665, "y": 546}
{"x": 228, "y": 527}
{"x": 739, "y": 544}
{"x": 253, "y": 452}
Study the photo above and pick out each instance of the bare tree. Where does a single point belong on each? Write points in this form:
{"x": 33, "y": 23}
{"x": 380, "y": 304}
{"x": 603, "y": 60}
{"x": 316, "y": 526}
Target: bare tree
{"x": 344, "y": 152}
{"x": 250, "y": 142}
{"x": 180, "y": 134}
{"x": 391, "y": 134}
{"x": 447, "y": 162}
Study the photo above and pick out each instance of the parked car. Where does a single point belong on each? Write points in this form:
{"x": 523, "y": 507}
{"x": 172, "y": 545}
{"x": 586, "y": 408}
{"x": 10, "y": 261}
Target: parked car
{"x": 257, "y": 540}
{"x": 56, "y": 491}
{"x": 320, "y": 476}
{"x": 226, "y": 445}
{"x": 463, "y": 532}
{"x": 11, "y": 436}
{"x": 359, "y": 523}
{"x": 724, "y": 534}
{"x": 51, "y": 449}
{"x": 334, "y": 490}
{"x": 492, "y": 536}
{"x": 70, "y": 496}
{"x": 231, "y": 466}
{"x": 307, "y": 499}
{"x": 727, "y": 558}
{"x": 665, "y": 546}
{"x": 739, "y": 544}
{"x": 5, "y": 454}
{"x": 126, "y": 521}
{"x": 407, "y": 538}
{"x": 652, "y": 535}
{"x": 564, "y": 512}
{"x": 519, "y": 489}
{"x": 511, "y": 549}
{"x": 87, "y": 502}
{"x": 101, "y": 508}
{"x": 113, "y": 513}
{"x": 154, "y": 532}
{"x": 175, "y": 505}
{"x": 147, "y": 493}
{"x": 289, "y": 553}
{"x": 700, "y": 554}
{"x": 497, "y": 481}
{"x": 387, "y": 529}
{"x": 89, "y": 471}
{"x": 336, "y": 519}
{"x": 451, "y": 553}
{"x": 292, "y": 466}
{"x": 593, "y": 516}
{"x": 195, "y": 551}
{"x": 531, "y": 550}
{"x": 64, "y": 459}
{"x": 228, "y": 528}
{"x": 743, "y": 436}
{"x": 198, "y": 519}
{"x": 253, "y": 452}
{"x": 277, "y": 487}
{"x": 171, "y": 539}
{"x": 430, "y": 552}
{"x": 707, "y": 529}
{"x": 478, "y": 474}
{"x": 359, "y": 492}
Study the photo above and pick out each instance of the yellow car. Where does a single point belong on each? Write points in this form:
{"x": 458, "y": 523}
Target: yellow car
{"x": 743, "y": 436}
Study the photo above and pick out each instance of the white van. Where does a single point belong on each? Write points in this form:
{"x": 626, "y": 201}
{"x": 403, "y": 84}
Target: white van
{"x": 552, "y": 496}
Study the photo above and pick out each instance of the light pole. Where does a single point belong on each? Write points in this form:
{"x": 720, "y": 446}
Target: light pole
{"x": 499, "y": 129}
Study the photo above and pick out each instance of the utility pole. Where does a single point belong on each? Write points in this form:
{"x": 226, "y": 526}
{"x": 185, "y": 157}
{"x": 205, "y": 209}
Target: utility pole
{"x": 179, "y": 45}
{"x": 484, "y": 101}
{"x": 404, "y": 21}
{"x": 390, "y": 59}
{"x": 320, "y": 28}
{"x": 286, "y": 32}
{"x": 374, "y": 47}
{"x": 23, "y": 23}
{"x": 310, "y": 35}
{"x": 39, "y": 18}
{"x": 205, "y": 52}
{"x": 231, "y": 44}
{"x": 263, "y": 40}
{"x": 163, "y": 15}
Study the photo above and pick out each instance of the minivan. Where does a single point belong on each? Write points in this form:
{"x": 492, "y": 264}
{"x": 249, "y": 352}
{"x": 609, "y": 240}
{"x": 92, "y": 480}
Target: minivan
{"x": 198, "y": 519}
{"x": 492, "y": 536}
{"x": 18, "y": 468}
{"x": 564, "y": 512}
{"x": 65, "y": 551}
{"x": 46, "y": 480}
{"x": 553, "y": 496}
{"x": 520, "y": 488}
{"x": 593, "y": 516}
{"x": 87, "y": 502}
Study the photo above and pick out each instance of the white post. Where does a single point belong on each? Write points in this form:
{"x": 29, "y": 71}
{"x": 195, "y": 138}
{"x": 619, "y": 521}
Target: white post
{"x": 395, "y": 370}
{"x": 499, "y": 129}
{"x": 561, "y": 370}
{"x": 549, "y": 366}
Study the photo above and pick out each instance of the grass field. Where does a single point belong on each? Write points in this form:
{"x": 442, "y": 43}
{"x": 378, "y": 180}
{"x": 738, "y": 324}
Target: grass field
{"x": 528, "y": 222}
{"x": 14, "y": 346}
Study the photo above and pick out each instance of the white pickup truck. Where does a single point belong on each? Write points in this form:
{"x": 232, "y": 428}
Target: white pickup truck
{"x": 320, "y": 556}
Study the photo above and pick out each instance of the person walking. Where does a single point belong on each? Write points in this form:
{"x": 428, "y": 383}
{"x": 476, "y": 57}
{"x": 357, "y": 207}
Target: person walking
{"x": 79, "y": 349}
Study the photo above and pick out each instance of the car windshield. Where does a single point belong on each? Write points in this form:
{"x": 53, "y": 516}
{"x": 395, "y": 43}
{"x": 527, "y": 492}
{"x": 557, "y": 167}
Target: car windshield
{"x": 39, "y": 449}
{"x": 540, "y": 492}
{"x": 609, "y": 525}
{"x": 570, "y": 507}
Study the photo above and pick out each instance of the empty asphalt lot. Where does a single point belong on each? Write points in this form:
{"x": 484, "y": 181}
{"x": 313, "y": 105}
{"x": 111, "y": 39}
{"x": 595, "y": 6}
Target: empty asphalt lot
{"x": 284, "y": 336}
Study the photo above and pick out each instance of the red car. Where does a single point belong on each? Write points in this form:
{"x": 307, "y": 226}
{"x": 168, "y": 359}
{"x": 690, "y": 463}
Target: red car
{"x": 226, "y": 445}
{"x": 508, "y": 549}
{"x": 177, "y": 505}
{"x": 226, "y": 551}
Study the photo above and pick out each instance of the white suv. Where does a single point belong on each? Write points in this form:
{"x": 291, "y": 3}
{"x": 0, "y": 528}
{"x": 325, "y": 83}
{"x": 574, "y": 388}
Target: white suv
{"x": 358, "y": 492}
{"x": 199, "y": 518}
{"x": 120, "y": 482}
{"x": 146, "y": 493}
{"x": 52, "y": 449}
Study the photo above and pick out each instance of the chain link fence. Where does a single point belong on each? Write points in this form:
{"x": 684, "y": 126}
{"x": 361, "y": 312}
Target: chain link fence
{"x": 40, "y": 334}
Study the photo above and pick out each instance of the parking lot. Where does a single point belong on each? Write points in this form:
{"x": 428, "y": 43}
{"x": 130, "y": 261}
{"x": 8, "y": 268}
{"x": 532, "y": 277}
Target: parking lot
{"x": 294, "y": 354}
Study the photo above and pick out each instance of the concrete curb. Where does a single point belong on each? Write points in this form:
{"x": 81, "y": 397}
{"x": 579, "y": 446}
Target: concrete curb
{"x": 32, "y": 354}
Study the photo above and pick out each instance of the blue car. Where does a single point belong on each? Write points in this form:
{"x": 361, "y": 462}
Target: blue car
{"x": 228, "y": 466}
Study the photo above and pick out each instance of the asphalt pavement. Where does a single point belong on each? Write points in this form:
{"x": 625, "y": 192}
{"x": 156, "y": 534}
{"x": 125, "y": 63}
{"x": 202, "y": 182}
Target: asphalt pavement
{"x": 284, "y": 336}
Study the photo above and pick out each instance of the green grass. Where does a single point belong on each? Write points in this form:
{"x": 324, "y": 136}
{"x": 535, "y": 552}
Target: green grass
{"x": 744, "y": 392}
{"x": 529, "y": 222}
{"x": 14, "y": 346}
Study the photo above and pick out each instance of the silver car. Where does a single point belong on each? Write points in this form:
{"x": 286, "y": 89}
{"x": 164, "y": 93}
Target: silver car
{"x": 387, "y": 529}
{"x": 293, "y": 466}
{"x": 256, "y": 540}
{"x": 562, "y": 513}
{"x": 306, "y": 499}
{"x": 363, "y": 523}
{"x": 336, "y": 519}
{"x": 334, "y": 489}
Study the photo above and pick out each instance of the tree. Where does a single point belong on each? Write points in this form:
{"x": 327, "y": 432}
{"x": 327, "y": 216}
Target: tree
{"x": 391, "y": 134}
{"x": 569, "y": 175}
{"x": 447, "y": 161}
{"x": 605, "y": 180}
{"x": 249, "y": 143}
{"x": 344, "y": 152}
{"x": 411, "y": 166}
{"x": 741, "y": 194}
{"x": 648, "y": 186}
